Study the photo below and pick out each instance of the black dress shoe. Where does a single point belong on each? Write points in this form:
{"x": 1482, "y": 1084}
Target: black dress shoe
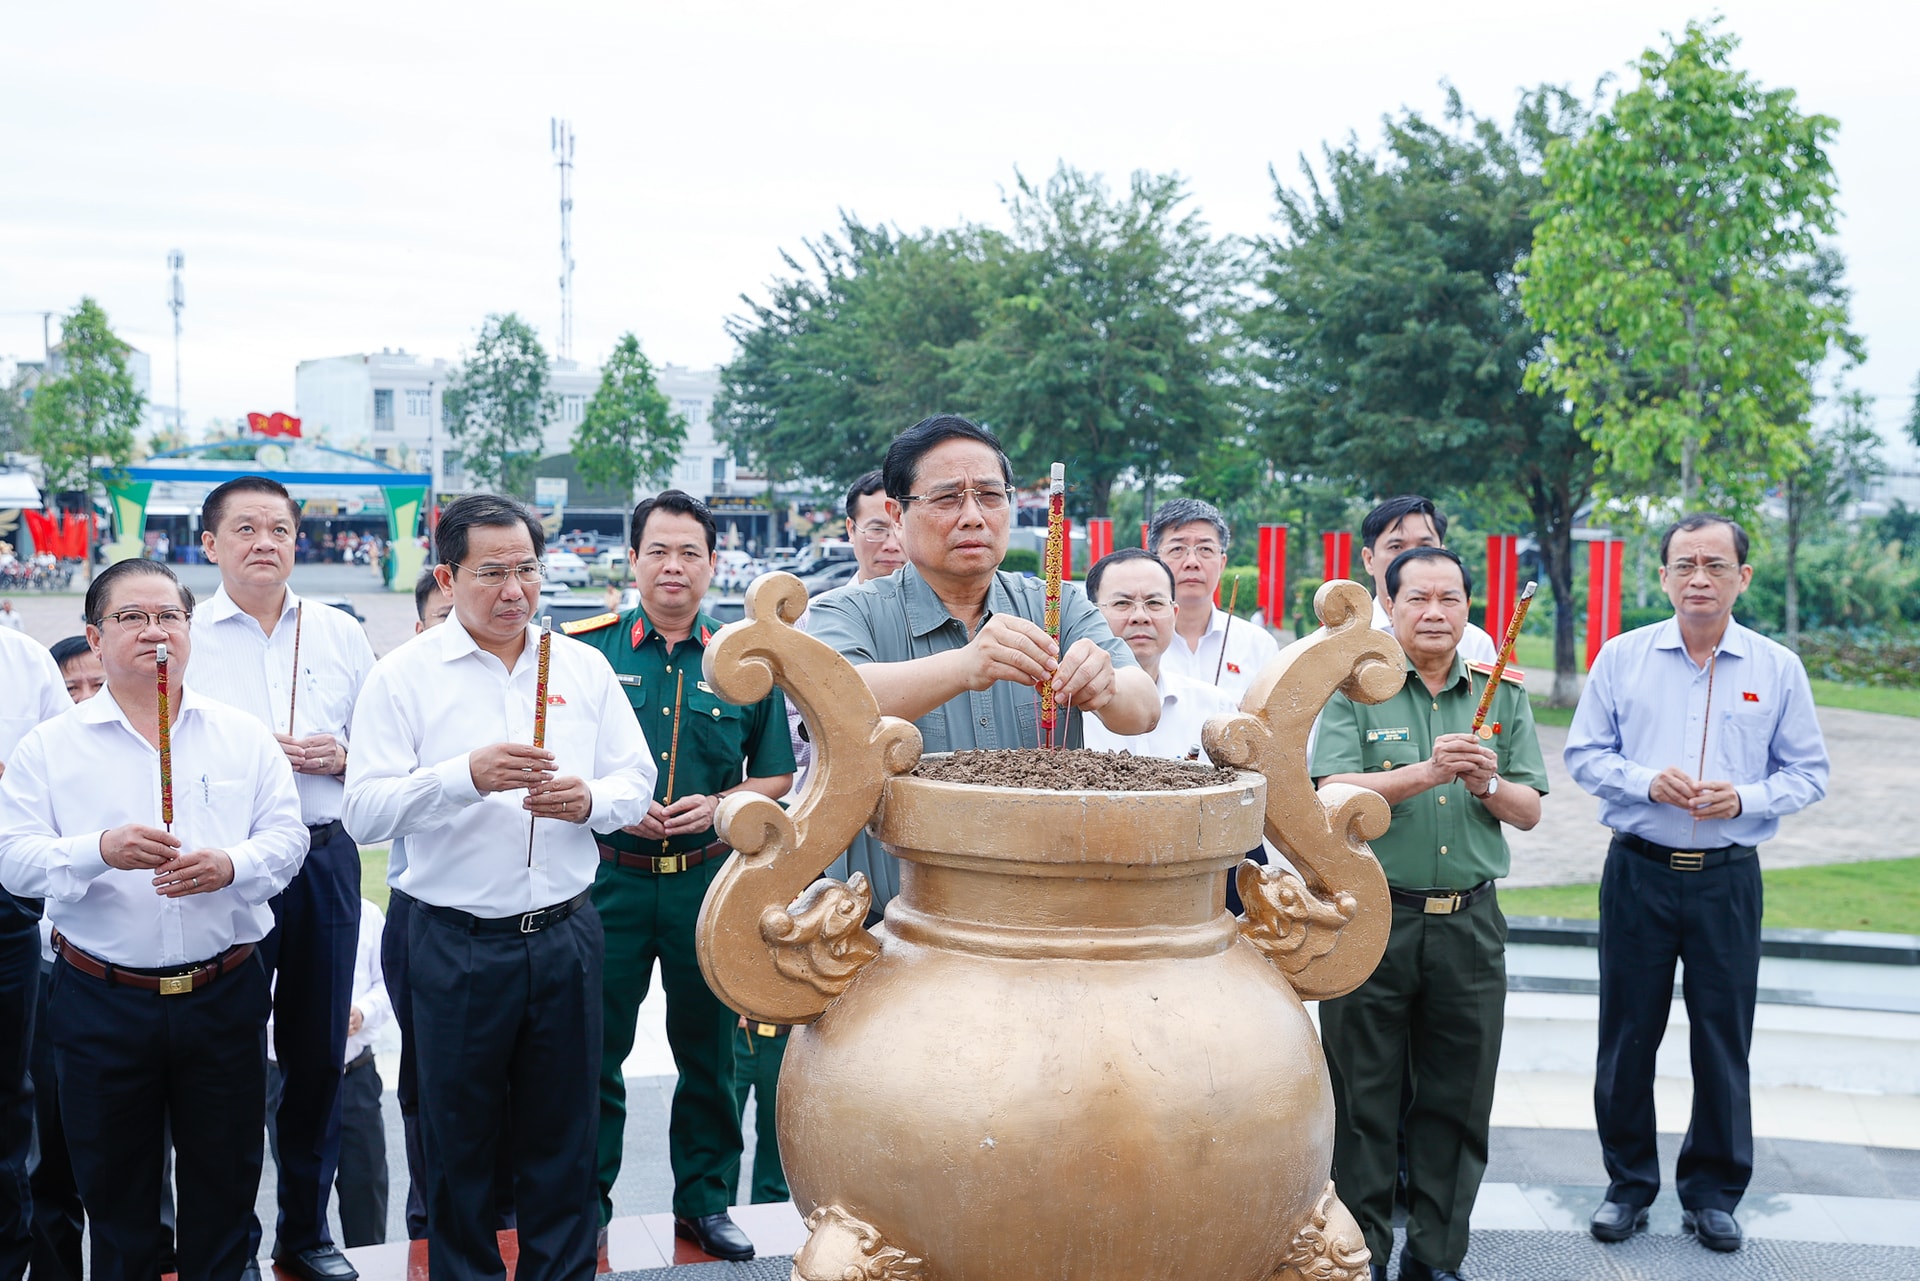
{"x": 717, "y": 1234}
{"x": 1411, "y": 1269}
{"x": 1616, "y": 1221}
{"x": 1714, "y": 1229}
{"x": 317, "y": 1263}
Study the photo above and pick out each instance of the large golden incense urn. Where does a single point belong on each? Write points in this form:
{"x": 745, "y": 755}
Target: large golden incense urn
{"x": 1059, "y": 1058}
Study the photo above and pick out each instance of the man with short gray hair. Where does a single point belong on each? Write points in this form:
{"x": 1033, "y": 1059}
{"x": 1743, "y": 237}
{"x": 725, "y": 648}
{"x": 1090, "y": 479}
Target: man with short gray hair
{"x": 1193, "y": 538}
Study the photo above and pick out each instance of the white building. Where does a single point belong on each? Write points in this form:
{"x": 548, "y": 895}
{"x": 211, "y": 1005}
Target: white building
{"x": 389, "y": 405}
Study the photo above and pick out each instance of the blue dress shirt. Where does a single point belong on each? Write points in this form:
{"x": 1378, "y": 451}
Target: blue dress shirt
{"x": 1644, "y": 708}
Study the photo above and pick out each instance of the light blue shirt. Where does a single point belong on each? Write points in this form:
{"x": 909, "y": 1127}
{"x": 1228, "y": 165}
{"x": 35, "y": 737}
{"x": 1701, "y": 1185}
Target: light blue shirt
{"x": 1644, "y": 709}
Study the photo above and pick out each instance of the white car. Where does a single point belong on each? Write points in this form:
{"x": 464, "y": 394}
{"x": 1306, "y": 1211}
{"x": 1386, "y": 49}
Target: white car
{"x": 566, "y": 568}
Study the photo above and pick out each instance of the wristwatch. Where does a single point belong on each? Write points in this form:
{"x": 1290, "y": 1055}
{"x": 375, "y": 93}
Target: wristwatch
{"x": 1493, "y": 785}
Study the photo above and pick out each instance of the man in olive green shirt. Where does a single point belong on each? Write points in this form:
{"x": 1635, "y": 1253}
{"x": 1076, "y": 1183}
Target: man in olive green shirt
{"x": 653, "y": 876}
{"x": 1435, "y": 1005}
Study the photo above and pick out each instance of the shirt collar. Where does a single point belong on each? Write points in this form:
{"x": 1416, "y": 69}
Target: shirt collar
{"x": 1459, "y": 673}
{"x": 102, "y": 707}
{"x": 220, "y": 607}
{"x": 639, "y": 629}
{"x": 1734, "y": 641}
{"x": 457, "y": 642}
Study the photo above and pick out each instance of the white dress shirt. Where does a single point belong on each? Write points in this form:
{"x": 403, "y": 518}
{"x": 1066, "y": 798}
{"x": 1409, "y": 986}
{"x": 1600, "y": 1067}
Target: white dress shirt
{"x": 31, "y": 689}
{"x": 89, "y": 770}
{"x": 1476, "y": 646}
{"x": 235, "y": 662}
{"x": 1185, "y": 706}
{"x": 369, "y": 986}
{"x": 440, "y": 697}
{"x": 1248, "y": 650}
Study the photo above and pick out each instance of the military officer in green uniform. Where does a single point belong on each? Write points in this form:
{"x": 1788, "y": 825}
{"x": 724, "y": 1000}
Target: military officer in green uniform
{"x": 654, "y": 875}
{"x": 1435, "y": 1006}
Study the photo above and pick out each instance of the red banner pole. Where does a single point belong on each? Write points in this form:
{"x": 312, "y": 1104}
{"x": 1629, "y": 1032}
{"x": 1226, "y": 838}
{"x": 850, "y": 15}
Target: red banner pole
{"x": 1596, "y": 599}
{"x": 1616, "y": 553}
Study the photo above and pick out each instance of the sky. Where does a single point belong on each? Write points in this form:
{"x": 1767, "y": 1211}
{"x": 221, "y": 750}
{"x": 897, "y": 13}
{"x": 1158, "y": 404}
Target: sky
{"x": 355, "y": 176}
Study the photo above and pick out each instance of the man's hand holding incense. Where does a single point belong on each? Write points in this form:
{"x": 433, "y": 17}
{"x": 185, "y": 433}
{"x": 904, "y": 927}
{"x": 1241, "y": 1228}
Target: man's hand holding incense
{"x": 137, "y": 846}
{"x": 1007, "y": 648}
{"x": 1085, "y": 678}
{"x": 565, "y": 798}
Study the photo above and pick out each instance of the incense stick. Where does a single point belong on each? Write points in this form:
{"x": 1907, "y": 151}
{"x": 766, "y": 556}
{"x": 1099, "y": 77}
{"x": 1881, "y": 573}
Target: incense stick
{"x": 1056, "y": 555}
{"x": 1233, "y": 599}
{"x": 673, "y": 749}
{"x": 1500, "y": 665}
{"x": 166, "y": 737}
{"x": 540, "y": 708}
{"x": 1706, "y": 721}
{"x": 293, "y": 699}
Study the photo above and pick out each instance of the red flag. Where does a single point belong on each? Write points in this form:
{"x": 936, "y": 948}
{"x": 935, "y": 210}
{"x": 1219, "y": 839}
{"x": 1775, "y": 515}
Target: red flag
{"x": 275, "y": 424}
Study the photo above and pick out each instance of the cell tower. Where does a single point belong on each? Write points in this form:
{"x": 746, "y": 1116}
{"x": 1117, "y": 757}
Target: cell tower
{"x": 176, "y": 303}
{"x": 562, "y": 138}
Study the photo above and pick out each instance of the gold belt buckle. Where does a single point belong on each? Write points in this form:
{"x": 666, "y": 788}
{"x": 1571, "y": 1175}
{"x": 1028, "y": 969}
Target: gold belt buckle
{"x": 176, "y": 984}
{"x": 1687, "y": 860}
{"x": 665, "y": 863}
{"x": 1443, "y": 906}
{"x": 766, "y": 1029}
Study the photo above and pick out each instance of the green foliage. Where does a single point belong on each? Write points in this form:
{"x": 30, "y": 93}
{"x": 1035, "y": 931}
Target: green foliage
{"x": 1842, "y": 581}
{"x": 85, "y": 412}
{"x": 1882, "y": 896}
{"x": 1021, "y": 560}
{"x": 1900, "y": 525}
{"x": 1675, "y": 275}
{"x": 1102, "y": 340}
{"x": 845, "y": 353}
{"x": 1390, "y": 342}
{"x": 630, "y": 432}
{"x": 1876, "y": 656}
{"x": 1913, "y": 415}
{"x": 497, "y": 404}
{"x": 15, "y": 423}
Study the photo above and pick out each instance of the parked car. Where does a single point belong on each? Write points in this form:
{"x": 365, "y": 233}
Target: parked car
{"x": 567, "y": 568}
{"x": 342, "y": 604}
{"x": 834, "y": 575}
{"x": 727, "y": 607}
{"x": 568, "y": 607}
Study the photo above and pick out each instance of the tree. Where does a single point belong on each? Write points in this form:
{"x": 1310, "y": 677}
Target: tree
{"x": 86, "y": 408}
{"x": 1388, "y": 348}
{"x": 1913, "y": 415}
{"x": 1668, "y": 278}
{"x": 630, "y": 433}
{"x": 497, "y": 404}
{"x": 1101, "y": 345}
{"x": 1841, "y": 461}
{"x": 846, "y": 352}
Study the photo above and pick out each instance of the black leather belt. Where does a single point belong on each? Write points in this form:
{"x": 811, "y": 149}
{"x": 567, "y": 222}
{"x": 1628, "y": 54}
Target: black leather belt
{"x": 525, "y": 923}
{"x": 663, "y": 864}
{"x": 1441, "y": 902}
{"x": 173, "y": 981}
{"x": 1684, "y": 860}
{"x": 321, "y": 834}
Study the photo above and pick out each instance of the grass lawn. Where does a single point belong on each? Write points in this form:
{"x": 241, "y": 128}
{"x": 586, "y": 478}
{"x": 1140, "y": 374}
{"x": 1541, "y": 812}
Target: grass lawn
{"x": 1881, "y": 896}
{"x": 373, "y": 874}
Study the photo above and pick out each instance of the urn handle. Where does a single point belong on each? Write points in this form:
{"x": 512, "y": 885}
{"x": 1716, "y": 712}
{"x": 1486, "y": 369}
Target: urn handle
{"x": 776, "y": 943}
{"x": 1327, "y": 927}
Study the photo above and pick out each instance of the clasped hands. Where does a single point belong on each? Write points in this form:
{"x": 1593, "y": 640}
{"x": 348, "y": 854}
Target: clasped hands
{"x": 1466, "y": 758}
{"x": 1010, "y": 648}
{"x": 1701, "y": 800}
{"x": 176, "y": 874}
{"x": 507, "y": 767}
{"x": 315, "y": 754}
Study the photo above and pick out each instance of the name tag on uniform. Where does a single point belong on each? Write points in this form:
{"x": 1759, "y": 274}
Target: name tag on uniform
{"x": 1402, "y": 735}
{"x": 626, "y": 679}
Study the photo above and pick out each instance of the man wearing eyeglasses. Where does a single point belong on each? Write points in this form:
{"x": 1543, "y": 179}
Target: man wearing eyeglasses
{"x": 247, "y": 636}
{"x": 1134, "y": 590}
{"x": 33, "y": 691}
{"x": 874, "y": 534}
{"x": 1193, "y": 538}
{"x": 504, "y": 947}
{"x": 1697, "y": 735}
{"x": 954, "y": 645}
{"x": 158, "y": 1006}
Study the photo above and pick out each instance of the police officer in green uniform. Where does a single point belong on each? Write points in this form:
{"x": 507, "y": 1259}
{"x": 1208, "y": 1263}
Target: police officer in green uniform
{"x": 654, "y": 875}
{"x": 1435, "y": 1006}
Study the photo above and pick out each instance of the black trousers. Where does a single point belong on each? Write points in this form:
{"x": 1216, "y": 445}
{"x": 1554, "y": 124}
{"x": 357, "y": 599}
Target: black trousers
{"x": 310, "y": 955}
{"x": 507, "y": 1034}
{"x": 19, "y": 996}
{"x": 128, "y": 1060}
{"x": 361, "y": 1181}
{"x": 58, "y": 1216}
{"x": 1650, "y": 916}
{"x": 406, "y": 1090}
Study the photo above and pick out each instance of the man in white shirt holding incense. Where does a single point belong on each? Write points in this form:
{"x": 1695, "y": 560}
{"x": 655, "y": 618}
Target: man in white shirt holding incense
{"x": 1134, "y": 589}
{"x": 297, "y": 671}
{"x": 504, "y": 947}
{"x": 1209, "y": 645}
{"x": 157, "y": 853}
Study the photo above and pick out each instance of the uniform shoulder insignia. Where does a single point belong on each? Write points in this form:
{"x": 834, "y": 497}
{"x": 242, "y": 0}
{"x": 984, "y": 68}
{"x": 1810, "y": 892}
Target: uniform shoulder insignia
{"x": 1512, "y": 673}
{"x": 593, "y": 624}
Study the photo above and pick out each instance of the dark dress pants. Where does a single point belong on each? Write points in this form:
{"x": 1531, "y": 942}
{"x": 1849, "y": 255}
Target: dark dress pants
{"x": 756, "y": 1063}
{"x": 128, "y": 1060}
{"x": 1435, "y": 1007}
{"x": 406, "y": 1092}
{"x": 361, "y": 1181}
{"x": 310, "y": 955}
{"x": 19, "y": 996}
{"x": 58, "y": 1216}
{"x": 506, "y": 1051}
{"x": 1650, "y": 916}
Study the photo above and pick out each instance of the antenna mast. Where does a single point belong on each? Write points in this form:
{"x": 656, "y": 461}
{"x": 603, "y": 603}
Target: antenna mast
{"x": 561, "y": 134}
{"x": 176, "y": 303}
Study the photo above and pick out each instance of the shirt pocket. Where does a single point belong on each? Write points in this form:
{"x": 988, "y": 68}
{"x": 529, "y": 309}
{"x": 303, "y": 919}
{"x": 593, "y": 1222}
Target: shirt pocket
{"x": 1383, "y": 751}
{"x": 218, "y": 815}
{"x": 1746, "y": 744}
